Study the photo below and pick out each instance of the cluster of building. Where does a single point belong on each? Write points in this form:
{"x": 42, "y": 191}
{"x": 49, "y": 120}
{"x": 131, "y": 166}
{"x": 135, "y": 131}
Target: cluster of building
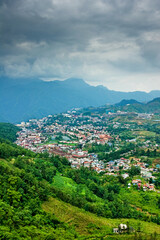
{"x": 30, "y": 139}
{"x": 116, "y": 165}
{"x": 144, "y": 186}
{"x": 68, "y": 134}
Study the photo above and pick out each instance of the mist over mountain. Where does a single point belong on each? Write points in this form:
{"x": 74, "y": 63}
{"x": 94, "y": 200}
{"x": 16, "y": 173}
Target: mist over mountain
{"x": 22, "y": 99}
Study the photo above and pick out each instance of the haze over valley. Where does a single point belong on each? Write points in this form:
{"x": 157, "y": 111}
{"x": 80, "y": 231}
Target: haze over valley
{"x": 23, "y": 99}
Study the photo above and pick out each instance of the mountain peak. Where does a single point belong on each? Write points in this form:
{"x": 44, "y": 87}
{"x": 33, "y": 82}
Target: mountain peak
{"x": 102, "y": 87}
{"x": 75, "y": 82}
{"x": 22, "y": 99}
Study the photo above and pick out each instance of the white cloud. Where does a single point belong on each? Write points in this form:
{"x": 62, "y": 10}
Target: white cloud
{"x": 115, "y": 43}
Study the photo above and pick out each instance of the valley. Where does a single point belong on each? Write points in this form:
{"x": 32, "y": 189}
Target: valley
{"x": 81, "y": 175}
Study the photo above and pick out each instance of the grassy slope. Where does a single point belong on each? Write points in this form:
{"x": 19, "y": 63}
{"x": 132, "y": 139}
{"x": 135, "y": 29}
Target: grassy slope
{"x": 89, "y": 224}
{"x": 142, "y": 201}
{"x": 67, "y": 184}
{"x": 145, "y": 201}
{"x": 144, "y": 133}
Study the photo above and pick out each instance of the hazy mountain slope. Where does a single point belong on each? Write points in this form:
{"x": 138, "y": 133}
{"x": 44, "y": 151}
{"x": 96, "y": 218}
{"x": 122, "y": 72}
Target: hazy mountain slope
{"x": 153, "y": 105}
{"x": 150, "y": 107}
{"x": 23, "y": 99}
{"x": 126, "y": 102}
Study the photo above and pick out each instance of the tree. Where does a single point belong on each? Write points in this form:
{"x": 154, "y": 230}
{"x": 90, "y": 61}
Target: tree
{"x": 134, "y": 171}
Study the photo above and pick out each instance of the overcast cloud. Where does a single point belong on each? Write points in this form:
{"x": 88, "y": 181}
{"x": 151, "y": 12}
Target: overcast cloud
{"x": 111, "y": 42}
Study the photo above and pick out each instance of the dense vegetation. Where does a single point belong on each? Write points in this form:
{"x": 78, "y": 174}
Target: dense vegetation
{"x": 8, "y": 131}
{"x": 28, "y": 180}
{"x": 106, "y": 152}
{"x": 24, "y": 186}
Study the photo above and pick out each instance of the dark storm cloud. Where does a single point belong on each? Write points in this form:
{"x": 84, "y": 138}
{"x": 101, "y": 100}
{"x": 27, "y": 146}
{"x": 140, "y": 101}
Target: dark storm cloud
{"x": 101, "y": 41}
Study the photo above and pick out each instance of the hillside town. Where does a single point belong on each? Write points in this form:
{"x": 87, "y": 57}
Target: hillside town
{"x": 75, "y": 135}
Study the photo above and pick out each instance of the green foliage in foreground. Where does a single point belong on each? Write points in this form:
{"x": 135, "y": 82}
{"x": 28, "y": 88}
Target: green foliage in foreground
{"x": 8, "y": 149}
{"x": 88, "y": 223}
{"x": 8, "y": 131}
{"x": 21, "y": 216}
{"x": 27, "y": 180}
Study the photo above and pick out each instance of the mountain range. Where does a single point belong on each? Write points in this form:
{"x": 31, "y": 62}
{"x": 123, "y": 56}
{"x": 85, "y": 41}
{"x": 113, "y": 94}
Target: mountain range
{"x": 23, "y": 99}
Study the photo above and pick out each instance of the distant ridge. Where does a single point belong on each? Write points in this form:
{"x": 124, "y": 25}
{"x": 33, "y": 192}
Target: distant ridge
{"x": 155, "y": 100}
{"x": 22, "y": 99}
{"x": 125, "y": 102}
{"x": 152, "y": 106}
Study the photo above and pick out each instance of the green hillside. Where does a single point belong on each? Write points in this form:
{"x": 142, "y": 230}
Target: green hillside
{"x": 126, "y": 106}
{"x": 87, "y": 223}
{"x": 41, "y": 197}
{"x": 8, "y": 131}
{"x": 21, "y": 195}
{"x": 150, "y": 107}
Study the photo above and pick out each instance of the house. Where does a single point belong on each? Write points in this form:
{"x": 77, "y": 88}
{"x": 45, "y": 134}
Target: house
{"x": 151, "y": 187}
{"x": 122, "y": 228}
{"x": 115, "y": 230}
{"x": 125, "y": 175}
{"x": 136, "y": 181}
{"x": 145, "y": 186}
{"x": 139, "y": 185}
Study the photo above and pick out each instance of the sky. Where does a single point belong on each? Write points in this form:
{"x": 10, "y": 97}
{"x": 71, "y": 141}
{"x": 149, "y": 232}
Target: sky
{"x": 115, "y": 43}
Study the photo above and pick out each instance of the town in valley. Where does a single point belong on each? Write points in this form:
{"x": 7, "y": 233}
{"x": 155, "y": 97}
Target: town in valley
{"x": 117, "y": 143}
